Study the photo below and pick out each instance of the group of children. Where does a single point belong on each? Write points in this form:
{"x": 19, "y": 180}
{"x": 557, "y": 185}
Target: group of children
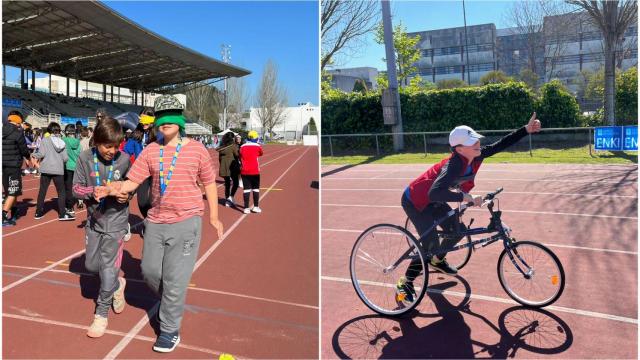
{"x": 241, "y": 160}
{"x": 165, "y": 170}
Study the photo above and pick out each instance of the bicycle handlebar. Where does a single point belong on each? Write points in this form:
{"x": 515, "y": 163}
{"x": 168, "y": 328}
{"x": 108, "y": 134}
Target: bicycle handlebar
{"x": 486, "y": 199}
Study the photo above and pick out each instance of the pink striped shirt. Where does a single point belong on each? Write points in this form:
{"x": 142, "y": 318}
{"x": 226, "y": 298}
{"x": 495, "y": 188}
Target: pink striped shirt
{"x": 182, "y": 198}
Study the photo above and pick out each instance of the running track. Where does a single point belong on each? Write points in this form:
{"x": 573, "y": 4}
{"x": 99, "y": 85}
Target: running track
{"x": 587, "y": 214}
{"x": 248, "y": 296}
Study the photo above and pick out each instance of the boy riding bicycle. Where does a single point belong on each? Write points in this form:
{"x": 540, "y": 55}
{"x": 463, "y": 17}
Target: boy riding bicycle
{"x": 425, "y": 199}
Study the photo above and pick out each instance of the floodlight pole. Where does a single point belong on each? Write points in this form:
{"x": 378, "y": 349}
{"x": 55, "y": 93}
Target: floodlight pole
{"x": 466, "y": 42}
{"x": 226, "y": 56}
{"x": 398, "y": 139}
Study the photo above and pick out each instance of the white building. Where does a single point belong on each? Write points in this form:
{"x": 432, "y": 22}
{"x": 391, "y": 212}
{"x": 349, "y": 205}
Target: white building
{"x": 95, "y": 91}
{"x": 294, "y": 124}
{"x": 345, "y": 79}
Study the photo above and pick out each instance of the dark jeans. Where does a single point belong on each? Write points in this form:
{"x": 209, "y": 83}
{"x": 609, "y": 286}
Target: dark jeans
{"x": 58, "y": 181}
{"x": 251, "y": 184}
{"x": 423, "y": 220}
{"x": 144, "y": 197}
{"x": 70, "y": 201}
{"x": 230, "y": 190}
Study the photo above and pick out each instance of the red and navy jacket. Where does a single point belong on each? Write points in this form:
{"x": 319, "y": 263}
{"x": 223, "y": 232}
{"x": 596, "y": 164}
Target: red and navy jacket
{"x": 454, "y": 172}
{"x": 249, "y": 153}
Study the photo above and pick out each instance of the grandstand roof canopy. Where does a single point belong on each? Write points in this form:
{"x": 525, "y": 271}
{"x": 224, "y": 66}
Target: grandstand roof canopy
{"x": 89, "y": 41}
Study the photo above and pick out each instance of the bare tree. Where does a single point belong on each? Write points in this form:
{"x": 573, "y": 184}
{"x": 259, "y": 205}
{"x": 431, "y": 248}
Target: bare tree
{"x": 237, "y": 100}
{"x": 612, "y": 18}
{"x": 203, "y": 103}
{"x": 271, "y": 98}
{"x": 343, "y": 23}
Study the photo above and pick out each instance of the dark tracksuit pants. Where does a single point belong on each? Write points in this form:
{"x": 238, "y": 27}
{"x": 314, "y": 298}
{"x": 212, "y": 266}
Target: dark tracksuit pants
{"x": 70, "y": 200}
{"x": 251, "y": 184}
{"x": 104, "y": 256}
{"x": 423, "y": 220}
{"x": 58, "y": 181}
{"x": 168, "y": 259}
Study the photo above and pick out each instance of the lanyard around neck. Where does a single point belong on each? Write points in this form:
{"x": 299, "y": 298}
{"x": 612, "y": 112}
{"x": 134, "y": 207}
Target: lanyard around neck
{"x": 163, "y": 183}
{"x": 97, "y": 172}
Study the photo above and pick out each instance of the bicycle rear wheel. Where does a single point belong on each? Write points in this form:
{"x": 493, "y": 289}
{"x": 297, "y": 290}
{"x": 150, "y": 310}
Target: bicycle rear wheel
{"x": 458, "y": 258}
{"x": 380, "y": 260}
{"x": 543, "y": 280}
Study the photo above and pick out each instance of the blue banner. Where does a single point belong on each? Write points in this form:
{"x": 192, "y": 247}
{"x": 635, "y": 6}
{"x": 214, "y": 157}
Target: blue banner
{"x": 608, "y": 138}
{"x": 630, "y": 142}
{"x": 73, "y": 120}
{"x": 12, "y": 103}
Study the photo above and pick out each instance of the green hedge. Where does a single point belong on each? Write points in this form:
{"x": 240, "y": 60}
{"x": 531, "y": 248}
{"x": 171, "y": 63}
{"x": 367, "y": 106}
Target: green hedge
{"x": 490, "y": 107}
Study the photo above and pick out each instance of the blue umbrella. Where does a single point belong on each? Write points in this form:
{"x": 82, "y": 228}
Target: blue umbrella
{"x": 128, "y": 120}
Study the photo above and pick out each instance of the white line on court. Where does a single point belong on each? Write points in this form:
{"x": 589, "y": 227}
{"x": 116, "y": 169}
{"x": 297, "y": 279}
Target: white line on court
{"x": 399, "y": 190}
{"x": 509, "y": 301}
{"x": 138, "y": 327}
{"x": 424, "y": 168}
{"x": 503, "y": 210}
{"x": 219, "y": 292}
{"x": 28, "y": 277}
{"x": 111, "y": 332}
{"x": 544, "y": 243}
{"x": 487, "y": 179}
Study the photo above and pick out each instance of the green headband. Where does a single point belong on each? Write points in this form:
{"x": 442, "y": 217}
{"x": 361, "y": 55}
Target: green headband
{"x": 170, "y": 118}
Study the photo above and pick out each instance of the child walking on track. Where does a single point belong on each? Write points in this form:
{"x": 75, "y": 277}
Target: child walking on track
{"x": 425, "y": 199}
{"x": 107, "y": 217}
{"x": 229, "y": 166}
{"x": 174, "y": 222}
{"x": 250, "y": 171}
{"x": 73, "y": 151}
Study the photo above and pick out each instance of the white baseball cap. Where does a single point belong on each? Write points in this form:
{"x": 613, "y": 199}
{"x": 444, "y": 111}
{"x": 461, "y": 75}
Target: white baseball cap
{"x": 463, "y": 135}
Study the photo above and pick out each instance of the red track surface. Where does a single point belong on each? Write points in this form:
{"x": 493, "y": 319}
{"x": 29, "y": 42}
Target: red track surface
{"x": 255, "y": 295}
{"x": 595, "y": 237}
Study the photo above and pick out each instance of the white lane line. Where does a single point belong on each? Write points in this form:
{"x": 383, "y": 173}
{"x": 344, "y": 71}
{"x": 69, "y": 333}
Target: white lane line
{"x": 494, "y": 180}
{"x": 587, "y": 313}
{"x": 518, "y": 171}
{"x": 138, "y": 327}
{"x": 219, "y": 292}
{"x": 80, "y": 211}
{"x": 111, "y": 332}
{"x": 31, "y": 276}
{"x": 544, "y": 243}
{"x": 399, "y": 190}
{"x": 503, "y": 210}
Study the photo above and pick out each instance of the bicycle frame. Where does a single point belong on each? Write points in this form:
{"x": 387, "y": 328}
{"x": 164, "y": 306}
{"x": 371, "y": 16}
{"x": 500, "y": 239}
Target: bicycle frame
{"x": 495, "y": 225}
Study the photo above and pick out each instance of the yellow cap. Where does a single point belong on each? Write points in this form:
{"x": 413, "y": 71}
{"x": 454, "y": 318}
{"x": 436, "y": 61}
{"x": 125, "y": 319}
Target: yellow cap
{"x": 146, "y": 119}
{"x": 252, "y": 134}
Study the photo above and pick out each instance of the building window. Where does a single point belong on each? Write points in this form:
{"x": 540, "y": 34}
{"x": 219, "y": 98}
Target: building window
{"x": 591, "y": 36}
{"x": 427, "y": 53}
{"x": 449, "y": 70}
{"x": 480, "y": 47}
{"x": 596, "y": 57}
{"x": 447, "y": 51}
{"x": 564, "y": 60}
{"x": 481, "y": 67}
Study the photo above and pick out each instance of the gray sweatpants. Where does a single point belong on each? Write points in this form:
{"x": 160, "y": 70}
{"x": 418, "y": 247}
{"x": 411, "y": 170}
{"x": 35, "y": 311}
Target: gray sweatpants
{"x": 168, "y": 257}
{"x": 104, "y": 256}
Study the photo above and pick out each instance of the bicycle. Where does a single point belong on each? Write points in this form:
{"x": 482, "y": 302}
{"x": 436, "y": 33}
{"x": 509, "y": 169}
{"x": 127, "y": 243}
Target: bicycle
{"x": 383, "y": 252}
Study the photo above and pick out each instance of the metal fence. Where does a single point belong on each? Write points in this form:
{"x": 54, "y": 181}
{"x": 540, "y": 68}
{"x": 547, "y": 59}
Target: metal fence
{"x": 438, "y": 142}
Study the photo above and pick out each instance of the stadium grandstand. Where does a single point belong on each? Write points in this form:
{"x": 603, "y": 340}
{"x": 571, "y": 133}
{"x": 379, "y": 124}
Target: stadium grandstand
{"x": 86, "y": 42}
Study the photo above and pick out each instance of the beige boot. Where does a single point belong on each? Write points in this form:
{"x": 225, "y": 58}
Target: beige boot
{"x": 118, "y": 297}
{"x": 98, "y": 327}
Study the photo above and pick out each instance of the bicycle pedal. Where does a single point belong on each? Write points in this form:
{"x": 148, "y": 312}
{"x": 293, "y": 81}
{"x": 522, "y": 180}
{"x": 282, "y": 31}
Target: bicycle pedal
{"x": 400, "y": 297}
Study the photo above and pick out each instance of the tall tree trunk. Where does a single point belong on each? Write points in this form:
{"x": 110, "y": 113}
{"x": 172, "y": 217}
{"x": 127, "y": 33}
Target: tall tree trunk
{"x": 609, "y": 81}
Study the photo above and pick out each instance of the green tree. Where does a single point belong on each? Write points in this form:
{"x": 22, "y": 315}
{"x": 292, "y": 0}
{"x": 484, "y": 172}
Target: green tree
{"x": 627, "y": 97}
{"x": 407, "y": 54}
{"x": 312, "y": 129}
{"x": 495, "y": 77}
{"x": 450, "y": 84}
{"x": 530, "y": 78}
{"x": 557, "y": 107}
{"x": 360, "y": 86}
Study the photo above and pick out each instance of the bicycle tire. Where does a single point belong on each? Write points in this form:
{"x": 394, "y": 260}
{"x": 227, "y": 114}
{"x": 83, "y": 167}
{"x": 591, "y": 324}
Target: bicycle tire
{"x": 370, "y": 276}
{"x": 458, "y": 258}
{"x": 555, "y": 276}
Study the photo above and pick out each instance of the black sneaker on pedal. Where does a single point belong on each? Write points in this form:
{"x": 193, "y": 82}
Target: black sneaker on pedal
{"x": 405, "y": 293}
{"x": 442, "y": 266}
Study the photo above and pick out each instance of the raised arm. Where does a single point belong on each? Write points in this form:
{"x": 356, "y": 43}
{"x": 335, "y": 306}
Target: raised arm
{"x": 532, "y": 126}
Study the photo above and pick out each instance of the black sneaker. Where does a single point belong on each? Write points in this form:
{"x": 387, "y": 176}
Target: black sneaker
{"x": 405, "y": 293}
{"x": 6, "y": 221}
{"x": 38, "y": 215}
{"x": 70, "y": 211}
{"x": 166, "y": 342}
{"x": 14, "y": 213}
{"x": 443, "y": 266}
{"x": 66, "y": 217}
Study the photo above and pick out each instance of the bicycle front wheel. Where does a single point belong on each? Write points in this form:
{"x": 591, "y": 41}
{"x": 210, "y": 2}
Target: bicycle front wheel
{"x": 387, "y": 270}
{"x": 458, "y": 258}
{"x": 541, "y": 281}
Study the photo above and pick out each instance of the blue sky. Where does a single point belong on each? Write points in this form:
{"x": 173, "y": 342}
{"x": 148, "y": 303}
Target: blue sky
{"x": 286, "y": 32}
{"x": 431, "y": 15}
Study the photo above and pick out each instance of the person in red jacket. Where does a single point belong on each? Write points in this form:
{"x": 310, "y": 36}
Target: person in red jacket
{"x": 250, "y": 171}
{"x": 425, "y": 199}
